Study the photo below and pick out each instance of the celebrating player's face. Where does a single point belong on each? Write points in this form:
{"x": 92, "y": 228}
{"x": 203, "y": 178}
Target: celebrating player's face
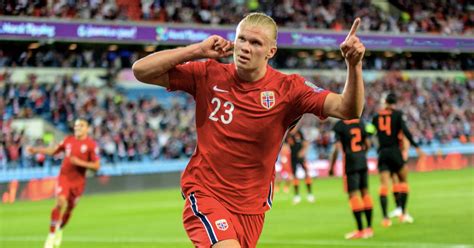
{"x": 253, "y": 47}
{"x": 80, "y": 128}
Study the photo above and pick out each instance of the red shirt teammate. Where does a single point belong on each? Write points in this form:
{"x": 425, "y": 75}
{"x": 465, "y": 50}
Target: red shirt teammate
{"x": 243, "y": 111}
{"x": 80, "y": 154}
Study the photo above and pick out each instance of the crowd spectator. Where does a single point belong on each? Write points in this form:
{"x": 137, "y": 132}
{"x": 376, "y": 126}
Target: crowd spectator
{"x": 446, "y": 17}
{"x": 289, "y": 59}
{"x": 437, "y": 110}
{"x": 49, "y": 56}
{"x": 126, "y": 130}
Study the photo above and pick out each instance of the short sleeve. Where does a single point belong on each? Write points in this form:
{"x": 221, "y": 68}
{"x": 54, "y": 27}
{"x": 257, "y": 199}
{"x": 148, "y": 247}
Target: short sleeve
{"x": 61, "y": 146}
{"x": 307, "y": 97}
{"x": 186, "y": 76}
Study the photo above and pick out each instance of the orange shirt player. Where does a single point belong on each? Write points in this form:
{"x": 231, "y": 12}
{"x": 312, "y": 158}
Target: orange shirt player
{"x": 243, "y": 112}
{"x": 80, "y": 154}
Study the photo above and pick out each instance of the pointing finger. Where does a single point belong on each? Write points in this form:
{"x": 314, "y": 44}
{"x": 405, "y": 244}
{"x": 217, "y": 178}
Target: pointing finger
{"x": 354, "y": 28}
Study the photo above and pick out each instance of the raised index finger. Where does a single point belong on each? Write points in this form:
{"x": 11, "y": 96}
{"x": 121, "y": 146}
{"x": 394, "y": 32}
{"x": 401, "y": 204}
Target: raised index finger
{"x": 354, "y": 28}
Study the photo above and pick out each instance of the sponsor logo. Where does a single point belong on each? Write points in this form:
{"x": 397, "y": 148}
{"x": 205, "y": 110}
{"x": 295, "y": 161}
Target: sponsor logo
{"x": 100, "y": 31}
{"x": 222, "y": 224}
{"x": 27, "y": 28}
{"x": 267, "y": 99}
{"x": 215, "y": 88}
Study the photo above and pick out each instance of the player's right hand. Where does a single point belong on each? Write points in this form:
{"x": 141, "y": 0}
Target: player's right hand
{"x": 216, "y": 47}
{"x": 352, "y": 48}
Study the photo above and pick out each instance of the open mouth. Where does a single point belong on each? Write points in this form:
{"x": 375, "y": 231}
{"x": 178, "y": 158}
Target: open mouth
{"x": 243, "y": 59}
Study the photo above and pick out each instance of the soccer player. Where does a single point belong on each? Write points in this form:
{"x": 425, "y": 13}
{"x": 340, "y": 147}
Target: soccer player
{"x": 352, "y": 140}
{"x": 243, "y": 111}
{"x": 389, "y": 123}
{"x": 80, "y": 154}
{"x": 299, "y": 146}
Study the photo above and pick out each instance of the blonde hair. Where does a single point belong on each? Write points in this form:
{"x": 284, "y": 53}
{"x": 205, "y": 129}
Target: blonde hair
{"x": 261, "y": 19}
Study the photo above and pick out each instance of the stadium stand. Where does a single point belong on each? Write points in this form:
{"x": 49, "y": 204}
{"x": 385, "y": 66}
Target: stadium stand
{"x": 446, "y": 17}
{"x": 124, "y": 56}
{"x": 64, "y": 59}
{"x": 127, "y": 130}
{"x": 137, "y": 124}
{"x": 131, "y": 127}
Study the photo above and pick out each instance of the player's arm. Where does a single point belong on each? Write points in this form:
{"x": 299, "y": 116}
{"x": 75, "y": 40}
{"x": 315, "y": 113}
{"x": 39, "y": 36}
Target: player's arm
{"x": 350, "y": 103}
{"x": 153, "y": 69}
{"x": 408, "y": 136}
{"x": 405, "y": 147}
{"x": 333, "y": 158}
{"x": 50, "y": 151}
{"x": 407, "y": 133}
{"x": 366, "y": 135}
{"x": 367, "y": 144}
{"x": 93, "y": 165}
{"x": 304, "y": 149}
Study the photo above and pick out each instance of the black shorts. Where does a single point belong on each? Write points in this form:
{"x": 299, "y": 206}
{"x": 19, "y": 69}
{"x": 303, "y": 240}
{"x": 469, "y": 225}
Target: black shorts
{"x": 390, "y": 159}
{"x": 357, "y": 180}
{"x": 294, "y": 164}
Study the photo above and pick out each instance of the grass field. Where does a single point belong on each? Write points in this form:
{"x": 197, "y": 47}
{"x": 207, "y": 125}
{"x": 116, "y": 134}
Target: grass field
{"x": 441, "y": 202}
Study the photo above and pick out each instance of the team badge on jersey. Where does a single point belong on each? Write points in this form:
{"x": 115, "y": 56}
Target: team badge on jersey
{"x": 84, "y": 148}
{"x": 267, "y": 99}
{"x": 222, "y": 224}
{"x": 313, "y": 86}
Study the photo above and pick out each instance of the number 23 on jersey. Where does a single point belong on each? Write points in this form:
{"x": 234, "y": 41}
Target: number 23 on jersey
{"x": 228, "y": 108}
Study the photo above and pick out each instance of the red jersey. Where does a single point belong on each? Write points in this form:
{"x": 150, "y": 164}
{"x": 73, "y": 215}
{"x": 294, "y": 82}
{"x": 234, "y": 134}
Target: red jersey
{"x": 85, "y": 149}
{"x": 240, "y": 128}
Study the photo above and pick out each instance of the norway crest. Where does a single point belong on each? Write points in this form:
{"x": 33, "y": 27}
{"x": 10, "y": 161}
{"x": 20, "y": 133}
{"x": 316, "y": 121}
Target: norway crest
{"x": 267, "y": 99}
{"x": 222, "y": 224}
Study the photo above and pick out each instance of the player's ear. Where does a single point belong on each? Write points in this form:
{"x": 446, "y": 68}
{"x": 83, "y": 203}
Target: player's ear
{"x": 271, "y": 52}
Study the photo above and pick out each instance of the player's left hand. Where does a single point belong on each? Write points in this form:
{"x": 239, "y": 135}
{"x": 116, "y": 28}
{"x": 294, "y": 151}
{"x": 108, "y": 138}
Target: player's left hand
{"x": 352, "y": 48}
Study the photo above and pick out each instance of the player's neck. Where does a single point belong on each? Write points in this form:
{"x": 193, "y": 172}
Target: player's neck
{"x": 251, "y": 75}
{"x": 82, "y": 137}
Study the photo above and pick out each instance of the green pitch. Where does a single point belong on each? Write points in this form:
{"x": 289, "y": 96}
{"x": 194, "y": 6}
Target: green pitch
{"x": 441, "y": 202}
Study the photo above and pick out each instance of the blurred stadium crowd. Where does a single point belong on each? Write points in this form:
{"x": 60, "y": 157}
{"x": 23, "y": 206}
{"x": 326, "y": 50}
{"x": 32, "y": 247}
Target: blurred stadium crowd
{"x": 446, "y": 17}
{"x": 437, "y": 110}
{"x": 123, "y": 57}
{"x": 134, "y": 130}
{"x": 125, "y": 130}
